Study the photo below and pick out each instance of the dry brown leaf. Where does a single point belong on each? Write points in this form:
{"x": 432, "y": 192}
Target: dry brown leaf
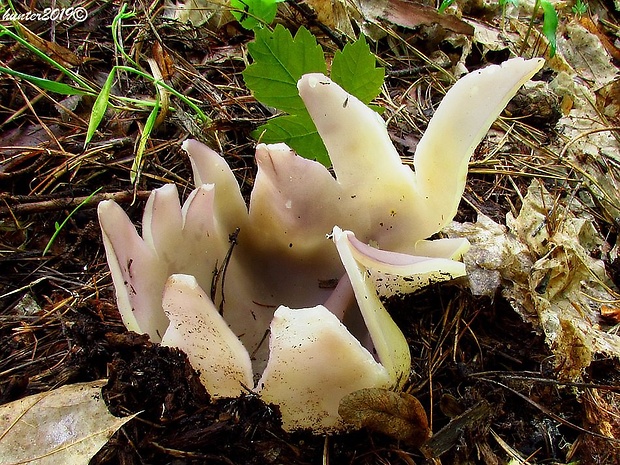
{"x": 490, "y": 38}
{"x": 611, "y": 313}
{"x": 407, "y": 13}
{"x": 587, "y": 55}
{"x": 164, "y": 61}
{"x": 397, "y": 414}
{"x": 587, "y": 22}
{"x": 57, "y": 52}
{"x": 544, "y": 263}
{"x": 601, "y": 415}
{"x": 66, "y": 425}
{"x": 334, "y": 14}
{"x": 608, "y": 101}
{"x": 214, "y": 13}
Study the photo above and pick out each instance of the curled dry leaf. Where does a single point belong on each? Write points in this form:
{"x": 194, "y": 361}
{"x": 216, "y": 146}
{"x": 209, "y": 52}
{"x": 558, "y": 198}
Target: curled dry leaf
{"x": 411, "y": 14}
{"x": 57, "y": 52}
{"x": 397, "y": 414}
{"x": 67, "y": 425}
{"x": 544, "y": 261}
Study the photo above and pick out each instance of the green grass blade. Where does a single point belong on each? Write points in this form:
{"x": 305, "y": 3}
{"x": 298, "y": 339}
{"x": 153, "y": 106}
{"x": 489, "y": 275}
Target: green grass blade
{"x": 45, "y": 84}
{"x": 136, "y": 168}
{"x": 5, "y": 31}
{"x": 116, "y": 28}
{"x": 58, "y": 227}
{"x": 550, "y": 25}
{"x": 100, "y": 106}
{"x": 444, "y": 5}
{"x": 204, "y": 118}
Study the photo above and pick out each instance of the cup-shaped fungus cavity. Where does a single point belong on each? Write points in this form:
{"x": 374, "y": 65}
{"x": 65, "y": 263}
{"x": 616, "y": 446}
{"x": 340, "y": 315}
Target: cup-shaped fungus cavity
{"x": 259, "y": 293}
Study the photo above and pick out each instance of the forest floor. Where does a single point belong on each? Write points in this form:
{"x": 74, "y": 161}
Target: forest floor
{"x": 498, "y": 383}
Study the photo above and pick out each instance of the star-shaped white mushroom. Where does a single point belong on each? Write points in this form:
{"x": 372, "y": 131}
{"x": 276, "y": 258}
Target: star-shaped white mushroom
{"x": 249, "y": 293}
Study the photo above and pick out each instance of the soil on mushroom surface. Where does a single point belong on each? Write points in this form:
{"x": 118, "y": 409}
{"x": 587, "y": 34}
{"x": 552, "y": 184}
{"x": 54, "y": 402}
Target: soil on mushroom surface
{"x": 486, "y": 378}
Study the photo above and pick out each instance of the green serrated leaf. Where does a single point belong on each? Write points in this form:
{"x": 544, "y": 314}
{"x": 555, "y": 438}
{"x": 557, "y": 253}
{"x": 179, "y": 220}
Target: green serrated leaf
{"x": 254, "y": 13}
{"x": 45, "y": 84}
{"x": 550, "y": 25}
{"x": 279, "y": 61}
{"x": 354, "y": 69}
{"x": 580, "y": 8}
{"x": 377, "y": 108}
{"x": 298, "y": 132}
{"x": 99, "y": 107}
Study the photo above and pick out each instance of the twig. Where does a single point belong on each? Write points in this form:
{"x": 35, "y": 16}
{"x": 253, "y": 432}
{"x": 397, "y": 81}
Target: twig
{"x": 536, "y": 379}
{"x": 549, "y": 413}
{"x": 310, "y": 16}
{"x": 72, "y": 202}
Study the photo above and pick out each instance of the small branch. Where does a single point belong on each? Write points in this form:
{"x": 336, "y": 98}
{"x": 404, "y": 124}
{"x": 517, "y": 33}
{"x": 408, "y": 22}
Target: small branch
{"x": 62, "y": 204}
{"x": 309, "y": 15}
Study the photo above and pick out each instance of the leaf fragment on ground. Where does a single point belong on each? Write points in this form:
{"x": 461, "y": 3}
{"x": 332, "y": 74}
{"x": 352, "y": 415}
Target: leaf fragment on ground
{"x": 544, "y": 262}
{"x": 57, "y": 52}
{"x": 336, "y": 14}
{"x": 409, "y": 14}
{"x": 66, "y": 425}
{"x": 581, "y": 85}
{"x": 566, "y": 284}
{"x": 396, "y": 414}
{"x": 448, "y": 436}
{"x": 215, "y": 13}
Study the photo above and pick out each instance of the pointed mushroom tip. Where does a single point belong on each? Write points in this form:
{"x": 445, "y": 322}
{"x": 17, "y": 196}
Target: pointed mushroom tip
{"x": 518, "y": 65}
{"x": 282, "y": 312}
{"x": 339, "y": 234}
{"x": 109, "y": 213}
{"x": 261, "y": 153}
{"x": 165, "y": 191}
{"x": 532, "y": 64}
{"x": 182, "y": 280}
{"x": 104, "y": 205}
{"x": 195, "y": 148}
{"x": 206, "y": 187}
{"x": 280, "y": 146}
{"x": 311, "y": 80}
{"x": 539, "y": 63}
{"x": 270, "y": 152}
